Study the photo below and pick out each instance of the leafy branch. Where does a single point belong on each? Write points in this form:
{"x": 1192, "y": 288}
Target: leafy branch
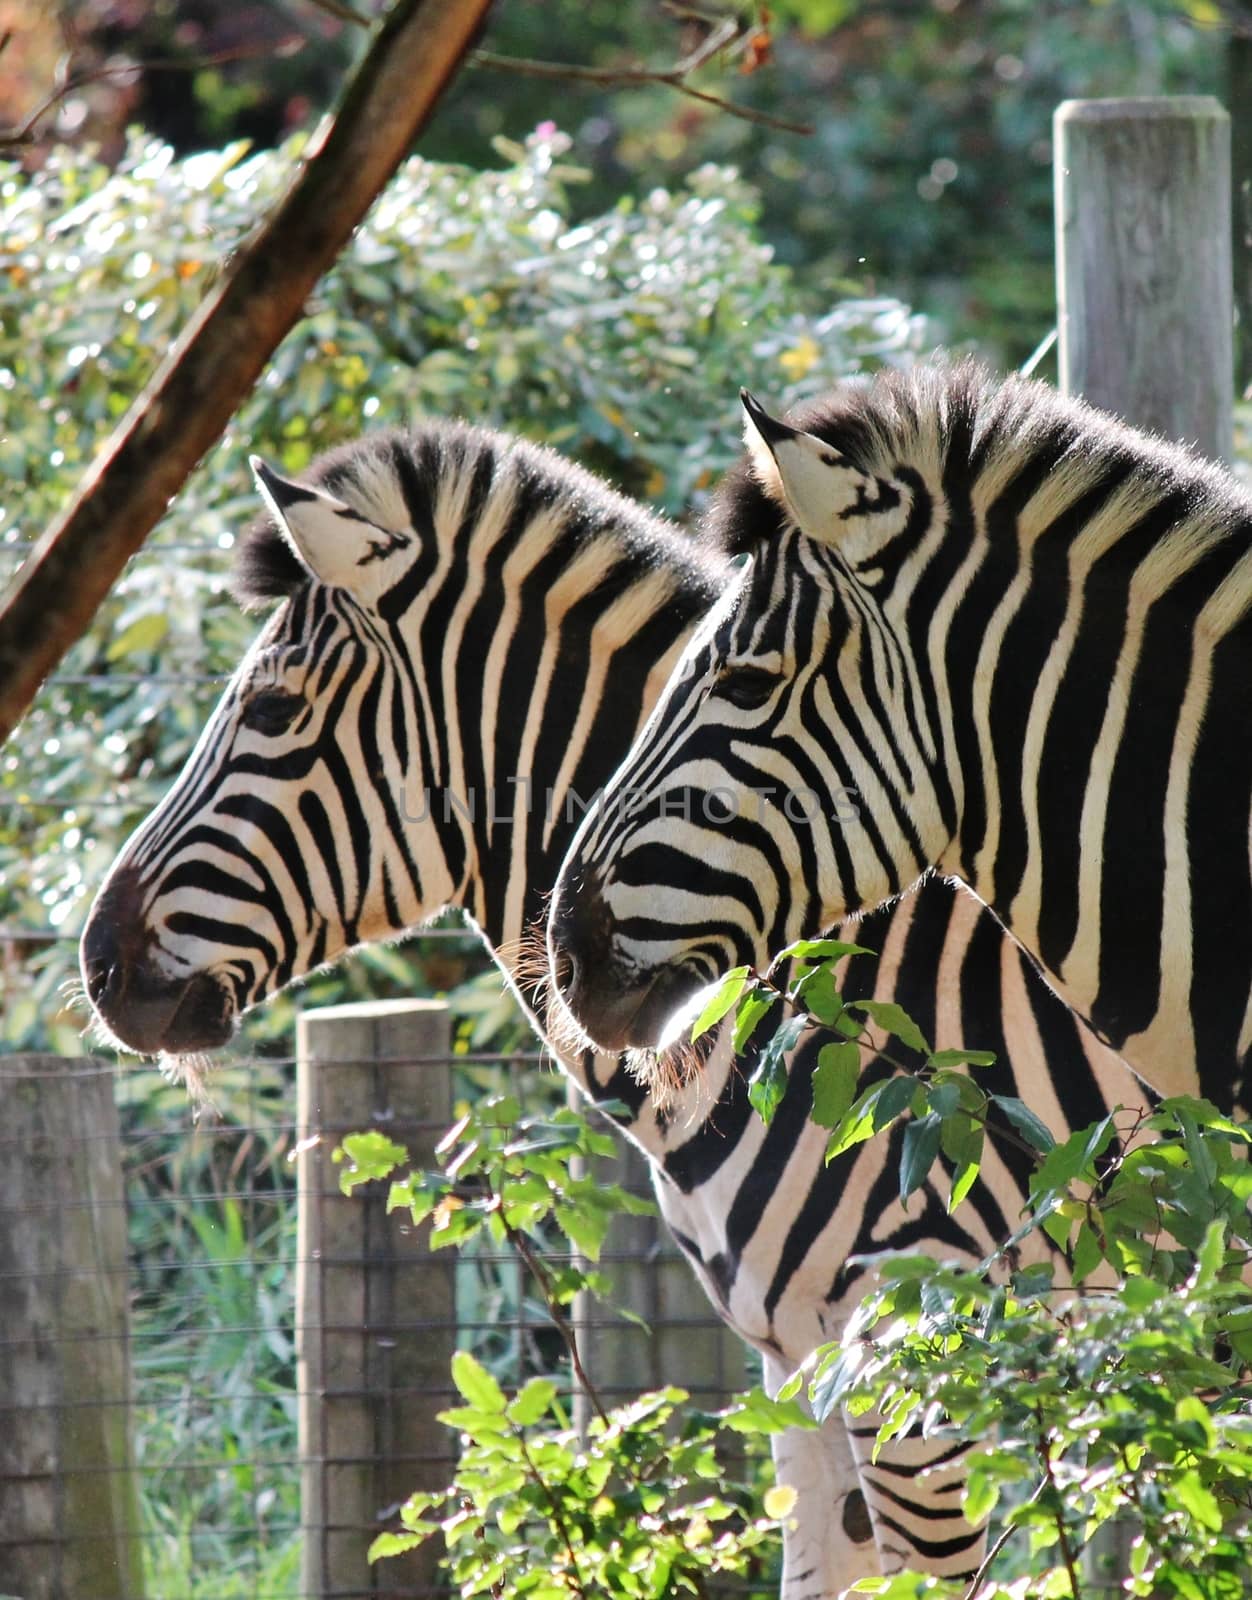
{"x": 950, "y": 1112}
{"x": 1099, "y": 1398}
{"x": 632, "y": 1508}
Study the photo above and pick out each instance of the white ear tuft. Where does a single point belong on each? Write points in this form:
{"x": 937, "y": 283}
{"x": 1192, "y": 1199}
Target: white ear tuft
{"x": 339, "y": 546}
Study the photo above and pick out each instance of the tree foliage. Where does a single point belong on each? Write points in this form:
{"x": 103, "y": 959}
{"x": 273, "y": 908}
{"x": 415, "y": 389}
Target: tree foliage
{"x": 928, "y": 172}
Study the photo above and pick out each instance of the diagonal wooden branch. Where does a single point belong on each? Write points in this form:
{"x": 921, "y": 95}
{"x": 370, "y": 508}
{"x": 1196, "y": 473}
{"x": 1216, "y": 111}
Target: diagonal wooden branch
{"x": 414, "y": 54}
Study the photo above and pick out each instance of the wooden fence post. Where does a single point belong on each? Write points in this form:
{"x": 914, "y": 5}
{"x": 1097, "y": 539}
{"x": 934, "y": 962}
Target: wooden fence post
{"x": 684, "y": 1342}
{"x": 1143, "y": 253}
{"x": 1146, "y": 323}
{"x": 1239, "y": 94}
{"x": 69, "y": 1524}
{"x": 375, "y": 1310}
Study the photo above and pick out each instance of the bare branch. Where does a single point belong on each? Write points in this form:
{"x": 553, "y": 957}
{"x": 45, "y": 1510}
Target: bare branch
{"x": 414, "y": 54}
{"x": 344, "y": 13}
{"x": 623, "y": 77}
{"x": 67, "y": 83}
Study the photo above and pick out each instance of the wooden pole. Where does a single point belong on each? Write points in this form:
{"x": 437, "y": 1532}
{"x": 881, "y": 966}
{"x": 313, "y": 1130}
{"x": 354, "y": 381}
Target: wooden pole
{"x": 375, "y": 1310}
{"x": 69, "y": 1523}
{"x": 1239, "y": 95}
{"x": 1143, "y": 252}
{"x": 1144, "y": 294}
{"x": 684, "y": 1342}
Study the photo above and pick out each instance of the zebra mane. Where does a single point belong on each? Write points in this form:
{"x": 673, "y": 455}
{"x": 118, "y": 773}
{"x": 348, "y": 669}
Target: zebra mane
{"x": 947, "y": 419}
{"x": 384, "y": 472}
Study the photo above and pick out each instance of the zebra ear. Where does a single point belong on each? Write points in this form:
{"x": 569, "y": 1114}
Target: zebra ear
{"x": 339, "y": 546}
{"x": 801, "y": 472}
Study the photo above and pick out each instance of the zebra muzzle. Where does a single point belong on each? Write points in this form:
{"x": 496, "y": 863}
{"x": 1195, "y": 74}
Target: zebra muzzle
{"x": 144, "y": 1008}
{"x": 617, "y": 1005}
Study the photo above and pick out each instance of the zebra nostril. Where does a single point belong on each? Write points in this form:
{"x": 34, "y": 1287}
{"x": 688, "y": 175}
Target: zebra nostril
{"x": 96, "y": 979}
{"x": 564, "y": 970}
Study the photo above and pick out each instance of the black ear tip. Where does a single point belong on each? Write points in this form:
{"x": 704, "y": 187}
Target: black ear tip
{"x": 769, "y": 428}
{"x": 280, "y": 491}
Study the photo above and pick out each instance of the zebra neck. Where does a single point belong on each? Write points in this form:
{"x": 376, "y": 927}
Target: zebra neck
{"x": 1096, "y": 724}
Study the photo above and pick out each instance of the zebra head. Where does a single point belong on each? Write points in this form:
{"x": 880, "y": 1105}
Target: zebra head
{"x": 283, "y": 841}
{"x": 791, "y": 772}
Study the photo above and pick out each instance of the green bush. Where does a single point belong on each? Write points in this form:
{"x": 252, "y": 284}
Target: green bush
{"x": 644, "y": 1504}
{"x": 622, "y": 341}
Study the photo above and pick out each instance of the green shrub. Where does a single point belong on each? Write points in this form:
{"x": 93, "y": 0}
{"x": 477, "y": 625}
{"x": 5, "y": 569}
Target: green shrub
{"x": 644, "y": 1503}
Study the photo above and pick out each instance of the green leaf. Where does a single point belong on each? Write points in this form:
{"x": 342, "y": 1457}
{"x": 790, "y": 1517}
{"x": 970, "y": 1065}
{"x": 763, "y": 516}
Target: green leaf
{"x": 1073, "y": 1157}
{"x": 752, "y": 1008}
{"x": 857, "y": 1124}
{"x": 1140, "y": 1293}
{"x": 1033, "y": 1283}
{"x": 895, "y": 1099}
{"x": 982, "y": 1491}
{"x": 766, "y": 1086}
{"x": 755, "y": 1412}
{"x": 723, "y": 996}
{"x": 943, "y": 1097}
{"x": 145, "y": 633}
{"x": 1087, "y": 1252}
{"x": 1025, "y": 1121}
{"x": 395, "y": 1544}
{"x": 792, "y": 1387}
{"x": 368, "y": 1156}
{"x": 921, "y": 1146}
{"x": 834, "y": 1082}
{"x": 819, "y": 950}
{"x": 768, "y": 1082}
{"x": 966, "y": 1170}
{"x": 1212, "y": 1255}
{"x": 819, "y": 996}
{"x": 1057, "y": 1226}
{"x": 1198, "y": 1500}
{"x": 893, "y": 1019}
{"x": 584, "y": 1228}
{"x": 958, "y": 1058}
{"x": 532, "y": 1402}
{"x": 476, "y": 1384}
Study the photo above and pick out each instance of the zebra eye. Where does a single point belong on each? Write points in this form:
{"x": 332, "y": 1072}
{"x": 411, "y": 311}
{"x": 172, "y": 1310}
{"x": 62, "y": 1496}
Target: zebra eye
{"x": 747, "y": 687}
{"x": 272, "y": 711}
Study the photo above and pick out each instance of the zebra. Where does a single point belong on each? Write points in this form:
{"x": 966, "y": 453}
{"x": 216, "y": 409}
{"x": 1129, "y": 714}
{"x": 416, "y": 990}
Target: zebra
{"x": 461, "y": 616}
{"x": 1018, "y": 634}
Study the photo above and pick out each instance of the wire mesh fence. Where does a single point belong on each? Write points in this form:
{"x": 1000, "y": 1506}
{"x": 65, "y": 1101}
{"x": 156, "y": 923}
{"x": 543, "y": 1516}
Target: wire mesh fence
{"x": 219, "y": 1377}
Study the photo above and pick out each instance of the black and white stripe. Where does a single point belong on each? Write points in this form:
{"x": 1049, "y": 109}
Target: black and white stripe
{"x": 1018, "y": 633}
{"x": 457, "y": 611}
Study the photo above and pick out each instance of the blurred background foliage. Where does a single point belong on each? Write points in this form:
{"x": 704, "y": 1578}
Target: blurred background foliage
{"x": 927, "y": 173}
